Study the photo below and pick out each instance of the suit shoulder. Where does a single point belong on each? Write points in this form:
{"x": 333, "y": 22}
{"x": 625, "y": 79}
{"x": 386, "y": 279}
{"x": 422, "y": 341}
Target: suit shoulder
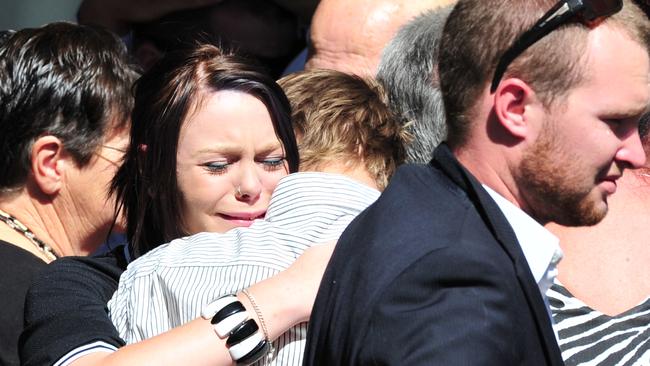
{"x": 421, "y": 190}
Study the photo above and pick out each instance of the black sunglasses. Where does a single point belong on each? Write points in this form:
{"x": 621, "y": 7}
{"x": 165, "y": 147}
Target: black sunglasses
{"x": 587, "y": 11}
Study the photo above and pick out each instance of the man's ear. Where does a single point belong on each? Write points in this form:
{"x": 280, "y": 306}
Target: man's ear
{"x": 49, "y": 161}
{"x": 513, "y": 101}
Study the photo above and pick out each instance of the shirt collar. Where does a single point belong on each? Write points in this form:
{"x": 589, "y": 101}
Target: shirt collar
{"x": 541, "y": 248}
{"x": 309, "y": 189}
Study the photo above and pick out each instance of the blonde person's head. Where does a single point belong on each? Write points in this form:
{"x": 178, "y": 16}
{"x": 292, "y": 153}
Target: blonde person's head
{"x": 341, "y": 118}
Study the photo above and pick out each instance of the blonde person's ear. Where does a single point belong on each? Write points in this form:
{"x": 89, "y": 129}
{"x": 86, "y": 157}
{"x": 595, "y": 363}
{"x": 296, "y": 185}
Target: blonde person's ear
{"x": 49, "y": 161}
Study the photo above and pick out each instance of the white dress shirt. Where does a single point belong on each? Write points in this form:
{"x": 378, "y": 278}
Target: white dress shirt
{"x": 541, "y": 248}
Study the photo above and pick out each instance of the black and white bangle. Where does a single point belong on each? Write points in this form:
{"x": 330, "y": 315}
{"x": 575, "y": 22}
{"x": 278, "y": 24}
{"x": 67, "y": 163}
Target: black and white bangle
{"x": 226, "y": 313}
{"x": 246, "y": 343}
{"x": 243, "y": 331}
{"x": 245, "y": 348}
{"x": 260, "y": 350}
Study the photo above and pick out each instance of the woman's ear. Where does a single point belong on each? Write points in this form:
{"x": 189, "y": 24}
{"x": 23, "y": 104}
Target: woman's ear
{"x": 49, "y": 161}
{"x": 513, "y": 101}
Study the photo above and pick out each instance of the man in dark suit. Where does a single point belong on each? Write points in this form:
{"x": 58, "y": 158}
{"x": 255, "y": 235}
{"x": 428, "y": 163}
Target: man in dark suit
{"x": 449, "y": 266}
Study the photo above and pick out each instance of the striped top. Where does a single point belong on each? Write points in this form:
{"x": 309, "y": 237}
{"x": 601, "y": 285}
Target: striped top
{"x": 169, "y": 286}
{"x": 588, "y": 337}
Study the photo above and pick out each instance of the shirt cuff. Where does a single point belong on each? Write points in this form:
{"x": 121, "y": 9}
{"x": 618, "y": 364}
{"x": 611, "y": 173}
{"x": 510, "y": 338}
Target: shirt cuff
{"x": 84, "y": 350}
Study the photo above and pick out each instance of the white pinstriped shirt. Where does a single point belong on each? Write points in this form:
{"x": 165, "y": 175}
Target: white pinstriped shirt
{"x": 168, "y": 286}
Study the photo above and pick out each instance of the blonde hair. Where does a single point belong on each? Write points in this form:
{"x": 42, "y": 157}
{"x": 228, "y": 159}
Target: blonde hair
{"x": 344, "y": 119}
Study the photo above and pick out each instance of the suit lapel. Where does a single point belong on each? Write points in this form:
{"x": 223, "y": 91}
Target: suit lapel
{"x": 502, "y": 231}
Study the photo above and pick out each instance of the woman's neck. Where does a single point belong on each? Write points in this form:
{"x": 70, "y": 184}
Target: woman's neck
{"x": 38, "y": 217}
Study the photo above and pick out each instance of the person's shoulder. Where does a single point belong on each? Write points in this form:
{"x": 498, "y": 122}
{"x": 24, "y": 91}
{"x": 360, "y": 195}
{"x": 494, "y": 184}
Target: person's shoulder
{"x": 12, "y": 256}
{"x": 417, "y": 194}
{"x": 424, "y": 183}
{"x": 103, "y": 264}
{"x": 86, "y": 272}
{"x": 67, "y": 302}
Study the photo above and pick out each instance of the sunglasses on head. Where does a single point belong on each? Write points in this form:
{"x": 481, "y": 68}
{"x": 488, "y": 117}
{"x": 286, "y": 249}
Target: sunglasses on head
{"x": 586, "y": 11}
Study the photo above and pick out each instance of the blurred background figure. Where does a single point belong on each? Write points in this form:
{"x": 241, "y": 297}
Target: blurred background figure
{"x": 349, "y": 36}
{"x": 65, "y": 102}
{"x": 259, "y": 29}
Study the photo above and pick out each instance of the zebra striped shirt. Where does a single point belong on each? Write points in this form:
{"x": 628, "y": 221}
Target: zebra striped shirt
{"x": 168, "y": 286}
{"x": 590, "y": 338}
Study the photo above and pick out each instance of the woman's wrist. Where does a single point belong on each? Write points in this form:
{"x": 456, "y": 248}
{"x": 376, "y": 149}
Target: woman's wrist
{"x": 277, "y": 303}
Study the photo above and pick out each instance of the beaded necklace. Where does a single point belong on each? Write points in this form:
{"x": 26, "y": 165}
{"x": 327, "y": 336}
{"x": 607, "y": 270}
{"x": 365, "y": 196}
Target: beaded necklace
{"x": 13, "y": 223}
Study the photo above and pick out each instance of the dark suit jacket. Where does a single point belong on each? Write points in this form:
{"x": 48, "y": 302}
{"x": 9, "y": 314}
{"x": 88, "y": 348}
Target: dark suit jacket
{"x": 431, "y": 274}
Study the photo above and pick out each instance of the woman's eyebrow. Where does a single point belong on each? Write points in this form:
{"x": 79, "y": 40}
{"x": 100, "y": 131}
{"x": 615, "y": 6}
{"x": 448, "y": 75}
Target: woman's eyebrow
{"x": 219, "y": 148}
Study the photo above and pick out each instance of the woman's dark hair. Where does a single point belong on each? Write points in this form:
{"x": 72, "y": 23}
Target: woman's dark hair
{"x": 65, "y": 80}
{"x": 146, "y": 184}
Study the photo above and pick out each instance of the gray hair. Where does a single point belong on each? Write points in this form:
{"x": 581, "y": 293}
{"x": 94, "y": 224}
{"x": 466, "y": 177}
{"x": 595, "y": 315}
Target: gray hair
{"x": 408, "y": 72}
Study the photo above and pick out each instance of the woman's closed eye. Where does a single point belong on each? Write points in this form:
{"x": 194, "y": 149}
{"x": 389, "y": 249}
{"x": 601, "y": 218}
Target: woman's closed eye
{"x": 273, "y": 163}
{"x": 216, "y": 167}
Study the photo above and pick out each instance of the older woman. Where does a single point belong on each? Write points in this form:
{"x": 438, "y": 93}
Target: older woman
{"x": 64, "y": 106}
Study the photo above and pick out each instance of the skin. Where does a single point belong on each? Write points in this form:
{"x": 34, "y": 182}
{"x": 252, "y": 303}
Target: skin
{"x": 228, "y": 143}
{"x": 594, "y": 135}
{"x": 349, "y": 36}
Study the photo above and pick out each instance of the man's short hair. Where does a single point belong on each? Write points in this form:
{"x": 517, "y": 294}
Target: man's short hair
{"x": 409, "y": 73}
{"x": 478, "y": 32}
{"x": 70, "y": 81}
{"x": 344, "y": 119}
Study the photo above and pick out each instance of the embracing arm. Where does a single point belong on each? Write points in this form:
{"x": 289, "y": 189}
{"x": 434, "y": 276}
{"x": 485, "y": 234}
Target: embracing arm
{"x": 284, "y": 300}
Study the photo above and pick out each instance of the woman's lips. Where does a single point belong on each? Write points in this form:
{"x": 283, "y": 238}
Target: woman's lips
{"x": 243, "y": 219}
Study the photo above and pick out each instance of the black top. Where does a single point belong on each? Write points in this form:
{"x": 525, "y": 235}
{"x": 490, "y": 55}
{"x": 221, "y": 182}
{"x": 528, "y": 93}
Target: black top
{"x": 66, "y": 307}
{"x": 430, "y": 274}
{"x": 17, "y": 269}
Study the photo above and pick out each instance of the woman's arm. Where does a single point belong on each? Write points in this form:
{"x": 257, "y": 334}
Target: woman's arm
{"x": 284, "y": 301}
